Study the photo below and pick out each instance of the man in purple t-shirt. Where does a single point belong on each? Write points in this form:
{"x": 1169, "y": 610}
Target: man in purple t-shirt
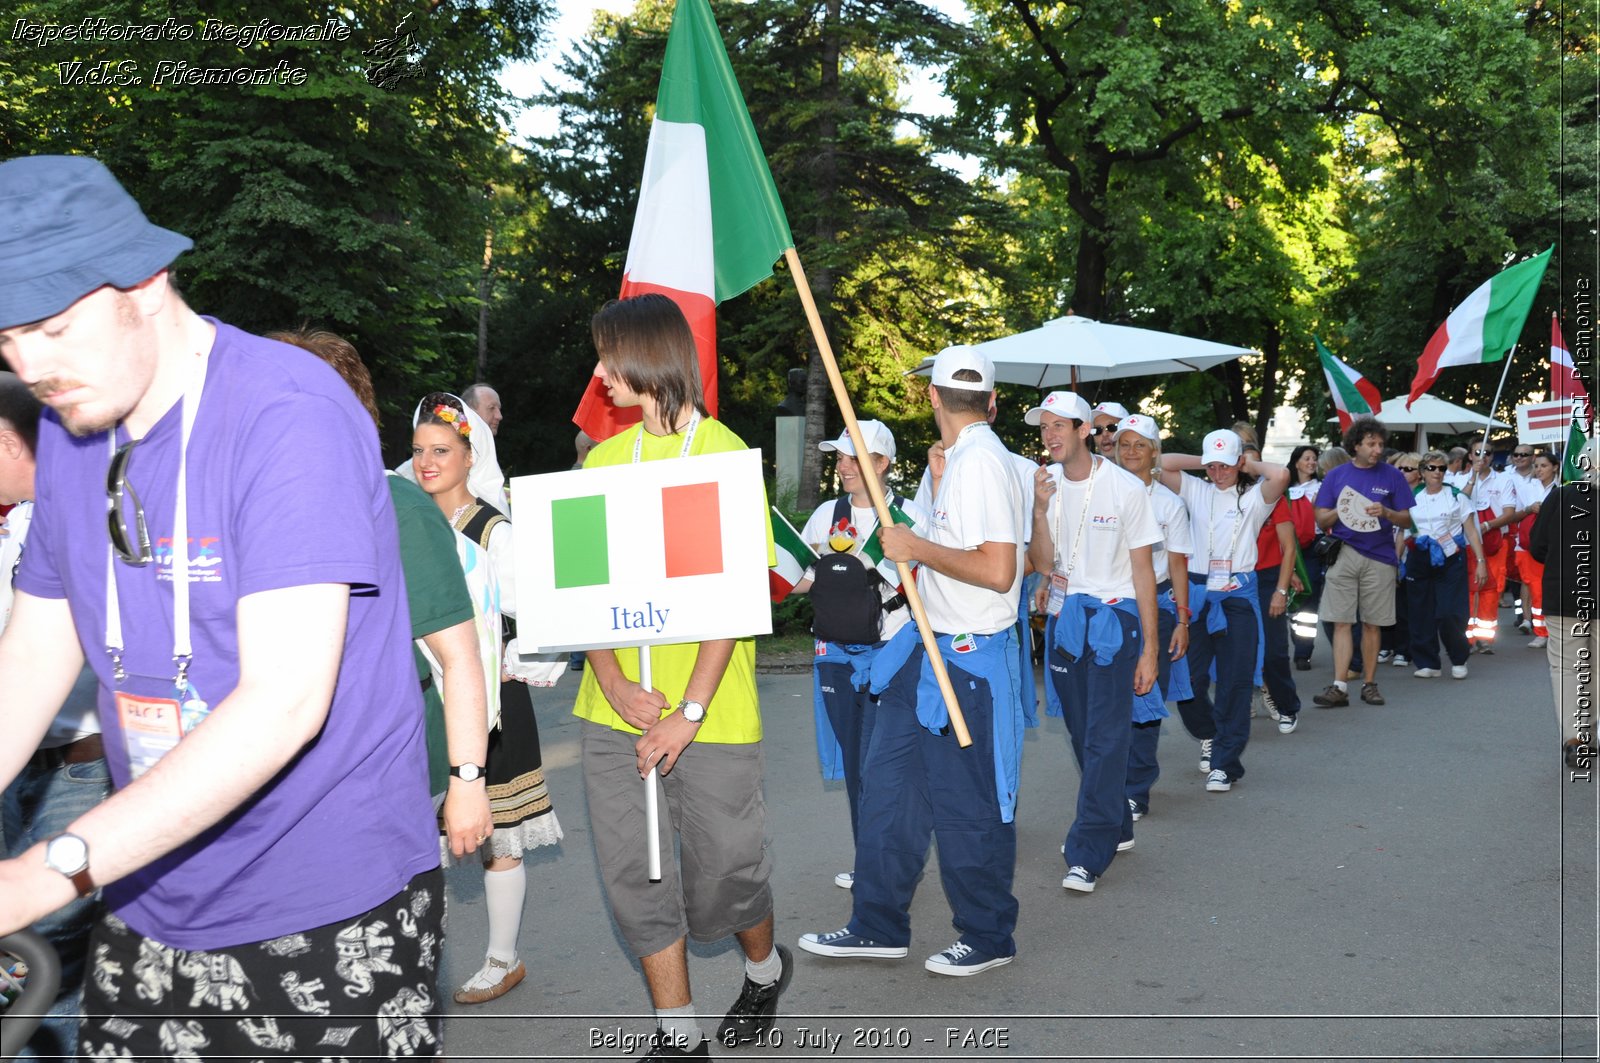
{"x": 1361, "y": 502}
{"x": 269, "y": 857}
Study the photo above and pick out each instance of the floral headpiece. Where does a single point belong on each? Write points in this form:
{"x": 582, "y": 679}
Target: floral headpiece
{"x": 451, "y": 415}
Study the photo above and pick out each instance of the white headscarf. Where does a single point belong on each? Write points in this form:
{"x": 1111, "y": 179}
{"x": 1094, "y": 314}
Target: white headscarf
{"x": 484, "y": 479}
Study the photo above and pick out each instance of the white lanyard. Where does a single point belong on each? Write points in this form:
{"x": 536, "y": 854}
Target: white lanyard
{"x": 688, "y": 437}
{"x": 1211, "y": 525}
{"x": 182, "y": 649}
{"x": 1083, "y": 517}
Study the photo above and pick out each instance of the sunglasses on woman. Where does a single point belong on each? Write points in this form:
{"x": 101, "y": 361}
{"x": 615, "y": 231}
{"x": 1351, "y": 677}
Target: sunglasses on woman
{"x": 1434, "y": 468}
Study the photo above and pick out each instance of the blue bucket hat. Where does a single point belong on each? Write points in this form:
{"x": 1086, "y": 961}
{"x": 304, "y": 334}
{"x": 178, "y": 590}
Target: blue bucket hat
{"x": 66, "y": 228}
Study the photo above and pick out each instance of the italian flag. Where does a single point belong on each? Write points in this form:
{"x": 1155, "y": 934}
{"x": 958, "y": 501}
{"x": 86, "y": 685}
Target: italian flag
{"x": 873, "y": 550}
{"x": 593, "y": 545}
{"x": 1485, "y": 326}
{"x": 709, "y": 223}
{"x": 1564, "y": 380}
{"x": 1353, "y": 394}
{"x": 1572, "y": 467}
{"x": 794, "y": 557}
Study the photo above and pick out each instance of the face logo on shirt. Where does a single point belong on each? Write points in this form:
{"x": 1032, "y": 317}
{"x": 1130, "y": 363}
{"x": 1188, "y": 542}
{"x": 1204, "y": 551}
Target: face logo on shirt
{"x": 205, "y": 559}
{"x": 1103, "y": 522}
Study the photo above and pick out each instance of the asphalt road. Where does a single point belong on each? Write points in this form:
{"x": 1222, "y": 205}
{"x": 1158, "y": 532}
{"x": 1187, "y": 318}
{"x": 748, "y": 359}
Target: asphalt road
{"x": 1416, "y": 881}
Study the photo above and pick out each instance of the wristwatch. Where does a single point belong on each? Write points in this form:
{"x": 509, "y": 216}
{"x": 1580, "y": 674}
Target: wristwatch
{"x": 692, "y": 711}
{"x": 69, "y": 854}
{"x": 466, "y": 772}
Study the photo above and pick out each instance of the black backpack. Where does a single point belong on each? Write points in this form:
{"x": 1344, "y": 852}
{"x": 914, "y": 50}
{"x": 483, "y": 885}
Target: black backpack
{"x": 847, "y": 594}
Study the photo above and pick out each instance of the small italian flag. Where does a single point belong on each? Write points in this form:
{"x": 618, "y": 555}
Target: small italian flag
{"x": 794, "y": 557}
{"x": 1485, "y": 326}
{"x": 709, "y": 223}
{"x": 585, "y": 541}
{"x": 1577, "y": 438}
{"x": 1353, "y": 394}
{"x": 873, "y": 550}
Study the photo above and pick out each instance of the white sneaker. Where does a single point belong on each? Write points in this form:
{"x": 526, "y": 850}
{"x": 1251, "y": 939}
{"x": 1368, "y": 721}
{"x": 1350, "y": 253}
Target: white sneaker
{"x": 1134, "y": 808}
{"x": 1539, "y": 643}
{"x": 1205, "y": 753}
{"x": 1287, "y": 724}
{"x": 1272, "y": 706}
{"x": 1217, "y": 782}
{"x": 1427, "y": 673}
{"x": 845, "y": 880}
{"x": 1458, "y": 671}
{"x": 1079, "y": 880}
{"x": 1123, "y": 847}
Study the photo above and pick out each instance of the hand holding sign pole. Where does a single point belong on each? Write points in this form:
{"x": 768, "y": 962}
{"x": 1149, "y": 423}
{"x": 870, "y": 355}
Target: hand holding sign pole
{"x": 869, "y": 474}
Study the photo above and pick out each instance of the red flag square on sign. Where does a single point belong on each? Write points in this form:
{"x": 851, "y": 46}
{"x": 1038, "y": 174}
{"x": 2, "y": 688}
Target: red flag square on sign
{"x": 691, "y": 521}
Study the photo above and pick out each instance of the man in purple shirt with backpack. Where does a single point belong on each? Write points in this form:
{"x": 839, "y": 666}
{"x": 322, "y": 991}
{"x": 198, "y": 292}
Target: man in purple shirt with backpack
{"x": 269, "y": 859}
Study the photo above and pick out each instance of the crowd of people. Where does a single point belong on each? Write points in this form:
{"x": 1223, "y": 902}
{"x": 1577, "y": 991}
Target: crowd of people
{"x": 254, "y": 711}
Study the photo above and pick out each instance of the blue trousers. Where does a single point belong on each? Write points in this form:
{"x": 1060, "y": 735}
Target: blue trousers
{"x": 917, "y": 786}
{"x": 1227, "y": 720}
{"x": 1275, "y": 659}
{"x": 1097, "y": 703}
{"x": 37, "y": 805}
{"x": 1143, "y": 770}
{"x": 851, "y": 714}
{"x": 1437, "y": 605}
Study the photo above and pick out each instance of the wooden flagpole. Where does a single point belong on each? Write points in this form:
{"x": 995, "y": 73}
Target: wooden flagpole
{"x": 869, "y": 474}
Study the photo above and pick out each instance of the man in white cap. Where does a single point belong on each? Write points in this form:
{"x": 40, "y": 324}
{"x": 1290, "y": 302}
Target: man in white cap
{"x": 921, "y": 782}
{"x": 857, "y": 605}
{"x": 1107, "y": 415}
{"x": 1092, "y": 533}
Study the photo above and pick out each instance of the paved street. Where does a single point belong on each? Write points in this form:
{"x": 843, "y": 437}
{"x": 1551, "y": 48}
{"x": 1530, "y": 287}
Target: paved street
{"x": 1415, "y": 881}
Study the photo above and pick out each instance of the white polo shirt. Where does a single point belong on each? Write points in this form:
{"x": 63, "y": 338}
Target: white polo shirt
{"x": 1172, "y": 517}
{"x": 1115, "y": 519}
{"x": 1442, "y": 515}
{"x": 980, "y": 501}
{"x": 1223, "y": 523}
{"x": 1497, "y": 491}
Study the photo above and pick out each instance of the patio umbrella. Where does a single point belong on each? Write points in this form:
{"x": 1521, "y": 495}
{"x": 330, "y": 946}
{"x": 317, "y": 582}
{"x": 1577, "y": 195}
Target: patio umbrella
{"x": 1430, "y": 414}
{"x": 1048, "y": 356}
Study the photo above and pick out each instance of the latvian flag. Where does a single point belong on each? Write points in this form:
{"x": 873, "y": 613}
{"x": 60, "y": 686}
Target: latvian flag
{"x": 1353, "y": 394}
{"x": 1564, "y": 380}
{"x": 709, "y": 223}
{"x": 1485, "y": 326}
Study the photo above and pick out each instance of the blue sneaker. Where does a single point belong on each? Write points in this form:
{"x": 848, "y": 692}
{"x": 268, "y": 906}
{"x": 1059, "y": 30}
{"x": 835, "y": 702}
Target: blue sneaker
{"x": 962, "y": 960}
{"x": 1079, "y": 880}
{"x": 842, "y": 943}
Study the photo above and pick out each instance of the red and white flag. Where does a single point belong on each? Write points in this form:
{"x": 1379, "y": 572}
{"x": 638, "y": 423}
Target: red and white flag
{"x": 709, "y": 223}
{"x": 1564, "y": 380}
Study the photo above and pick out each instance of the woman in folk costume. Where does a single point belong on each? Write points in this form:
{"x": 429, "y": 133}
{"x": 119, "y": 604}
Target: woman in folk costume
{"x": 453, "y": 460}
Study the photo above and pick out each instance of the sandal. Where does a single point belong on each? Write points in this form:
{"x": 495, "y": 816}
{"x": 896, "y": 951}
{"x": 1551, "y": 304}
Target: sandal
{"x": 493, "y": 980}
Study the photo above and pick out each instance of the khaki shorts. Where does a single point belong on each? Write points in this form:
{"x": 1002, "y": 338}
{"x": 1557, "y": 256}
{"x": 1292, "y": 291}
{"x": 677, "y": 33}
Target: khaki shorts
{"x": 1357, "y": 583}
{"x": 712, "y": 802}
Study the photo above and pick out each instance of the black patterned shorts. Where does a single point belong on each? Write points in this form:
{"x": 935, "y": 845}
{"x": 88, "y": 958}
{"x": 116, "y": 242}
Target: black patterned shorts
{"x": 362, "y": 988}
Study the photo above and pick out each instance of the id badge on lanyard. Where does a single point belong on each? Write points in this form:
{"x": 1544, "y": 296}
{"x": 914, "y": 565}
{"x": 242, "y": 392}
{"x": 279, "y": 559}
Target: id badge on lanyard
{"x": 1058, "y": 593}
{"x": 1220, "y": 575}
{"x": 152, "y": 724}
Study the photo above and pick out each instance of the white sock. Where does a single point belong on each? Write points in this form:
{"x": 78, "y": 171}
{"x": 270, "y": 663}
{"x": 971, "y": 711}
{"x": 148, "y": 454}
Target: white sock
{"x": 1341, "y": 684}
{"x": 680, "y": 1026}
{"x": 767, "y": 971}
{"x": 503, "y": 894}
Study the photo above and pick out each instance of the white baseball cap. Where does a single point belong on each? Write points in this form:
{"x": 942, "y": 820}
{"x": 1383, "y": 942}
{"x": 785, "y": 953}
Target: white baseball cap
{"x": 952, "y": 360}
{"x": 1222, "y": 445}
{"x": 1067, "y": 404}
{"x": 875, "y": 434}
{"x": 1139, "y": 423}
{"x": 1113, "y": 409}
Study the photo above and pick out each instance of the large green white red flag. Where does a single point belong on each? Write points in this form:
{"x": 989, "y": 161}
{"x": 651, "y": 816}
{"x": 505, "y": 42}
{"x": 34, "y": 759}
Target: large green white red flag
{"x": 709, "y": 224}
{"x": 1353, "y": 394}
{"x": 1485, "y": 326}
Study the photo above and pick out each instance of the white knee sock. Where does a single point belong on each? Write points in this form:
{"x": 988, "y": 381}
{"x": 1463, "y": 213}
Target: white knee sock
{"x": 503, "y": 894}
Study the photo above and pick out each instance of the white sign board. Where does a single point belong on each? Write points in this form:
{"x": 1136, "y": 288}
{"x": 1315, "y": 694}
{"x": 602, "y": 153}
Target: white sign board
{"x": 1544, "y": 422}
{"x": 635, "y": 555}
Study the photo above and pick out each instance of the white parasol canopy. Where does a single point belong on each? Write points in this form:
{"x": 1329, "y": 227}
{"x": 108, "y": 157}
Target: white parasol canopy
{"x": 1045, "y": 357}
{"x": 1431, "y": 414}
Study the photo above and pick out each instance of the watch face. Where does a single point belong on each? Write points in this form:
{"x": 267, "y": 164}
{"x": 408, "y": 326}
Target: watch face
{"x": 67, "y": 853}
{"x": 469, "y": 772}
{"x": 693, "y": 711}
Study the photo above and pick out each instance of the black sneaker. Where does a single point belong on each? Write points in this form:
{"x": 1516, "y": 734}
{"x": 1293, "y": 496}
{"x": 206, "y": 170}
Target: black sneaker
{"x": 753, "y": 1014}
{"x": 661, "y": 1047}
